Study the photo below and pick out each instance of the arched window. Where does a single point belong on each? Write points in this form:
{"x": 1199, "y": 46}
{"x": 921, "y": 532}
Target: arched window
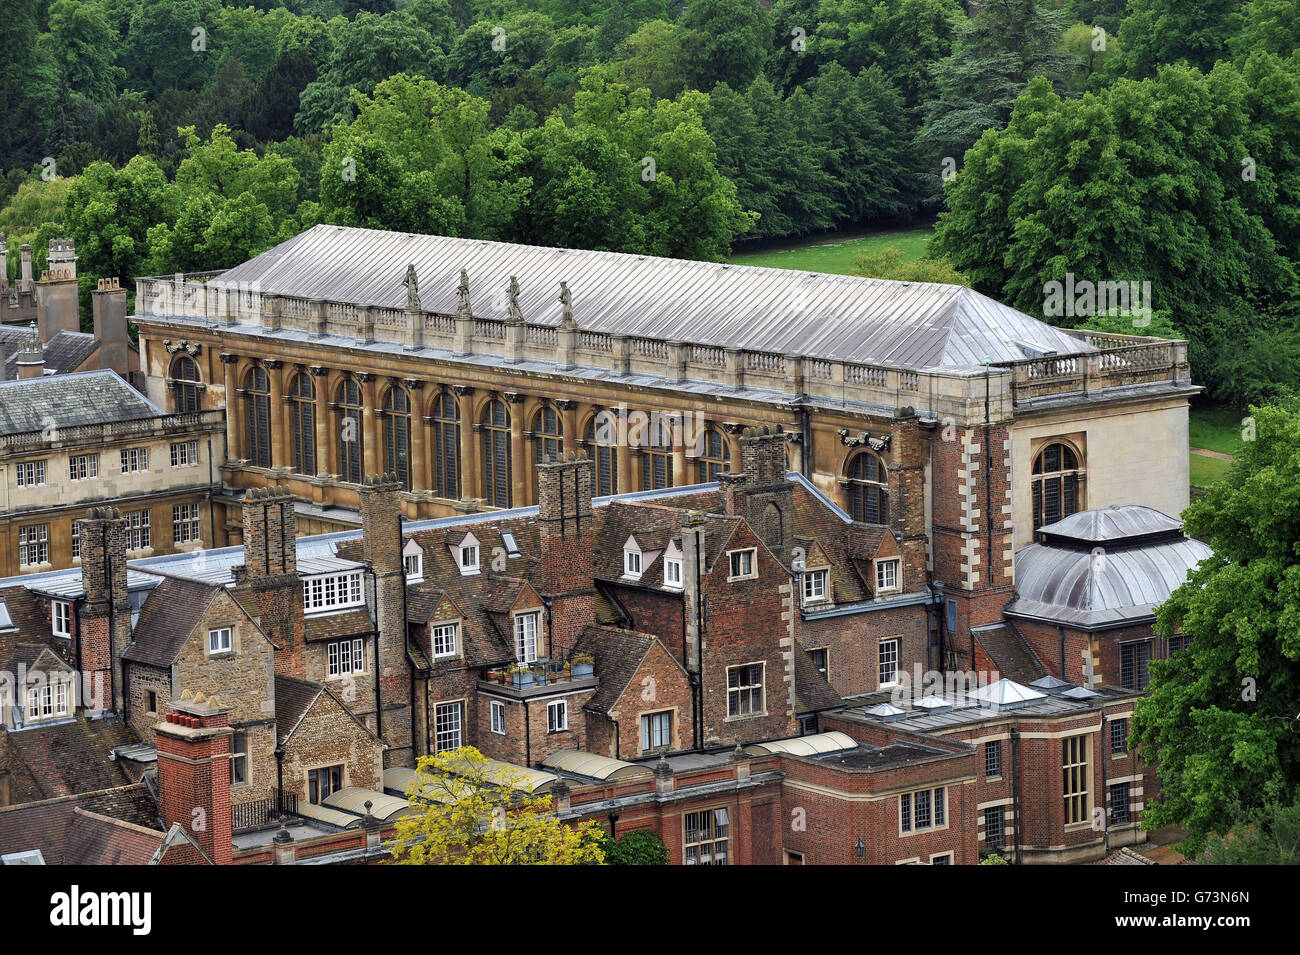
{"x": 302, "y": 413}
{"x": 397, "y": 435}
{"x": 868, "y": 489}
{"x": 1055, "y": 484}
{"x": 446, "y": 445}
{"x": 657, "y": 456}
{"x": 349, "y": 411}
{"x": 713, "y": 457}
{"x": 185, "y": 385}
{"x": 496, "y": 454}
{"x": 548, "y": 434}
{"x": 257, "y": 417}
{"x": 602, "y": 446}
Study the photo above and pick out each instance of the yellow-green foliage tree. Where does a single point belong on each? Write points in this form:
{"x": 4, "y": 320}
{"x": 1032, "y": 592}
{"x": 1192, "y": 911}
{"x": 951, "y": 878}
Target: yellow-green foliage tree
{"x": 471, "y": 811}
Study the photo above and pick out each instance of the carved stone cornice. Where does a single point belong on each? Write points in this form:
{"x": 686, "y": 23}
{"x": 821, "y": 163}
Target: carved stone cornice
{"x": 732, "y": 427}
{"x": 364, "y": 376}
{"x": 566, "y": 404}
{"x": 513, "y": 397}
{"x": 190, "y": 348}
{"x": 273, "y": 363}
{"x": 864, "y": 439}
{"x": 228, "y": 359}
{"x": 413, "y": 384}
{"x": 463, "y": 390}
{"x": 318, "y": 371}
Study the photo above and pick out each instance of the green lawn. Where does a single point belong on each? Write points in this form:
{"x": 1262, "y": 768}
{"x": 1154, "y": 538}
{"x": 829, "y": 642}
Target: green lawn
{"x": 1215, "y": 429}
{"x": 1206, "y": 471}
{"x": 837, "y": 257}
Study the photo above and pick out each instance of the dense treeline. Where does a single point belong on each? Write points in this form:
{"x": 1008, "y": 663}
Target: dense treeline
{"x": 185, "y": 134}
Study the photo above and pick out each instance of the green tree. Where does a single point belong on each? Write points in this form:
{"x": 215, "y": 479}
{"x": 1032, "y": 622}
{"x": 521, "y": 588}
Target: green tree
{"x": 109, "y": 213}
{"x": 469, "y": 811}
{"x": 1269, "y": 836}
{"x": 997, "y": 54}
{"x": 723, "y": 41}
{"x": 888, "y": 264}
{"x": 82, "y": 45}
{"x": 162, "y": 50}
{"x": 1198, "y": 32}
{"x": 1220, "y": 720}
{"x": 639, "y": 847}
{"x": 29, "y": 86}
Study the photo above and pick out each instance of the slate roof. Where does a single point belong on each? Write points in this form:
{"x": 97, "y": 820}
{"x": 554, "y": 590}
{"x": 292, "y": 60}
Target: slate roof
{"x": 65, "y": 352}
{"x": 70, "y": 401}
{"x": 167, "y": 620}
{"x": 293, "y": 698}
{"x": 912, "y": 324}
{"x": 617, "y": 653}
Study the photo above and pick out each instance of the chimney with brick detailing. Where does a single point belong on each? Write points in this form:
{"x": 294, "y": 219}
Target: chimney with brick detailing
{"x": 381, "y": 534}
{"x": 766, "y": 498}
{"x": 194, "y": 778}
{"x": 568, "y": 538}
{"x": 106, "y": 618}
{"x": 269, "y": 575}
{"x": 907, "y": 494}
{"x": 108, "y": 307}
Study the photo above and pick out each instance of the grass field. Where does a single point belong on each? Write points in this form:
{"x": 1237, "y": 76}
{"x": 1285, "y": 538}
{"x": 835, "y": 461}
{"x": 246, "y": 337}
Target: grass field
{"x": 1207, "y": 471}
{"x": 837, "y": 256}
{"x": 1215, "y": 429}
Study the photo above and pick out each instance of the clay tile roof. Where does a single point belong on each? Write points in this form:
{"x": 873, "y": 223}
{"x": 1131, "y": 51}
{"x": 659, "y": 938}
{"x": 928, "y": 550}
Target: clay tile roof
{"x": 811, "y": 691}
{"x": 167, "y": 619}
{"x": 100, "y": 840}
{"x": 67, "y": 757}
{"x": 617, "y": 653}
{"x": 293, "y": 698}
{"x": 351, "y": 623}
{"x": 1010, "y": 654}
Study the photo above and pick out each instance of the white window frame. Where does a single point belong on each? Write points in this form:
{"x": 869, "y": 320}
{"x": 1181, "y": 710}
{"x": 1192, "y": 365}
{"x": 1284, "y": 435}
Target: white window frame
{"x": 524, "y": 649}
{"x": 557, "y": 716}
{"x": 76, "y": 540}
{"x": 30, "y": 473}
{"x": 445, "y": 630}
{"x": 186, "y": 524}
{"x": 134, "y": 460}
{"x": 816, "y": 583}
{"x": 345, "y": 657}
{"x": 895, "y": 661}
{"x": 631, "y": 562}
{"x": 649, "y": 730}
{"x": 216, "y": 644}
{"x": 329, "y": 592}
{"x": 497, "y": 716}
{"x": 454, "y": 723}
{"x": 61, "y": 618}
{"x": 713, "y": 829}
{"x": 33, "y": 540}
{"x": 414, "y": 566}
{"x": 736, "y": 560}
{"x": 673, "y": 572}
{"x": 47, "y": 701}
{"x": 139, "y": 532}
{"x": 468, "y": 559}
{"x": 884, "y": 566}
{"x": 83, "y": 467}
{"x": 185, "y": 454}
{"x": 744, "y": 691}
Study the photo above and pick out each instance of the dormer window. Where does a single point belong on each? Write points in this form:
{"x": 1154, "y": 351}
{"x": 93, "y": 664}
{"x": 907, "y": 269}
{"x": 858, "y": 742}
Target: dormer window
{"x": 815, "y": 585}
{"x": 61, "y": 618}
{"x": 673, "y": 566}
{"x": 332, "y": 592}
{"x": 467, "y": 555}
{"x": 632, "y": 558}
{"x": 887, "y": 576}
{"x": 47, "y": 701}
{"x": 413, "y": 561}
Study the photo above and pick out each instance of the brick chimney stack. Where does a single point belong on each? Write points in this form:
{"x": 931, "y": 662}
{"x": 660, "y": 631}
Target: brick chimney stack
{"x": 106, "y": 618}
{"x": 567, "y": 534}
{"x": 269, "y": 574}
{"x": 907, "y": 493}
{"x": 108, "y": 307}
{"x": 194, "y": 776}
{"x": 766, "y": 498}
{"x": 381, "y": 534}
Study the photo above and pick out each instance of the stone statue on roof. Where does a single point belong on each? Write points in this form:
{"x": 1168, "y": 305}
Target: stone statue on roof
{"x": 514, "y": 314}
{"x": 462, "y": 296}
{"x": 412, "y": 289}
{"x": 566, "y": 307}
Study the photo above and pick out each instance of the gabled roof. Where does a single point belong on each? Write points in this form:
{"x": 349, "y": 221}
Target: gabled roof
{"x": 70, "y": 401}
{"x": 65, "y": 352}
{"x": 66, "y": 757}
{"x": 167, "y": 620}
{"x": 115, "y": 826}
{"x": 812, "y": 693}
{"x": 295, "y": 698}
{"x": 913, "y": 324}
{"x": 617, "y": 653}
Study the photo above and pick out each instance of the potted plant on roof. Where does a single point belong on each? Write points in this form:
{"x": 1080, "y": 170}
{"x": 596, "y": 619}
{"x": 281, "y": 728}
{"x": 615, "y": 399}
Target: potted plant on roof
{"x": 584, "y": 666}
{"x": 523, "y": 676}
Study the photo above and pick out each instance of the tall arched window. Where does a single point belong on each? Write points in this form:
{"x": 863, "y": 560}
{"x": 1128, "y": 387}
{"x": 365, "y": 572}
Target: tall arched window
{"x": 548, "y": 434}
{"x": 446, "y": 445}
{"x": 868, "y": 489}
{"x": 657, "y": 456}
{"x": 397, "y": 435}
{"x": 1055, "y": 484}
{"x": 349, "y": 411}
{"x": 302, "y": 413}
{"x": 602, "y": 446}
{"x": 713, "y": 457}
{"x": 496, "y": 454}
{"x": 257, "y": 417}
{"x": 185, "y": 385}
